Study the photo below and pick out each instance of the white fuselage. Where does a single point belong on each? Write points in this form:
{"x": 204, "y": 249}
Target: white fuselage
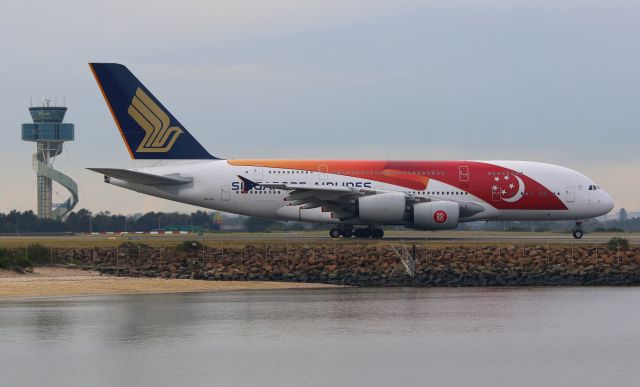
{"x": 216, "y": 185}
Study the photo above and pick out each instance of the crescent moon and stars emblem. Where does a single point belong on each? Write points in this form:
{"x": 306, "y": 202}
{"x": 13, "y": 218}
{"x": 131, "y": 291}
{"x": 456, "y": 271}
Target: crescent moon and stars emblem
{"x": 519, "y": 193}
{"x": 505, "y": 188}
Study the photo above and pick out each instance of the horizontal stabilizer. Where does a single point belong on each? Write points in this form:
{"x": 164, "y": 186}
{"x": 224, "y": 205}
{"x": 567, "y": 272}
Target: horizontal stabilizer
{"x": 141, "y": 177}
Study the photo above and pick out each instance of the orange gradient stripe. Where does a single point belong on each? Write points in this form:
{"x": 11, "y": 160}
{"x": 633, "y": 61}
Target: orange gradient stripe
{"x": 369, "y": 170}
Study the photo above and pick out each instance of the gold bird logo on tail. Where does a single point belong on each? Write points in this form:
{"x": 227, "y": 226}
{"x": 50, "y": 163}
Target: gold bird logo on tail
{"x": 159, "y": 137}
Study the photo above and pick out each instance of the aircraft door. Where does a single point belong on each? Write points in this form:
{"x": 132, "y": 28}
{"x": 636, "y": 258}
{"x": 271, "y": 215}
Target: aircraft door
{"x": 323, "y": 169}
{"x": 570, "y": 194}
{"x": 463, "y": 175}
{"x": 225, "y": 193}
{"x": 257, "y": 174}
{"x": 496, "y": 194}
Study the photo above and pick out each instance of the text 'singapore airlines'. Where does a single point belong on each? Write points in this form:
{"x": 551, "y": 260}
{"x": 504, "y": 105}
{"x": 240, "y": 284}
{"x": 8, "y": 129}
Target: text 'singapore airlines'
{"x": 357, "y": 197}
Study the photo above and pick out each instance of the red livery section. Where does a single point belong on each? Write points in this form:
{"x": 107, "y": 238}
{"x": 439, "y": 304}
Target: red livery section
{"x": 503, "y": 188}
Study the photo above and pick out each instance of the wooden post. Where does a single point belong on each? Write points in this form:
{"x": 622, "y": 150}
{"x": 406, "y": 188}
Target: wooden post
{"x": 475, "y": 253}
{"x": 117, "y": 261}
{"x": 426, "y": 250}
{"x": 522, "y": 264}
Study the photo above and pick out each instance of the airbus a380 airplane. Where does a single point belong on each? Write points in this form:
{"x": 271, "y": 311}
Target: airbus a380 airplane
{"x": 358, "y": 197}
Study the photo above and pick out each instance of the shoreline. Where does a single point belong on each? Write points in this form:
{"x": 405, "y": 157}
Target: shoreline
{"x": 47, "y": 282}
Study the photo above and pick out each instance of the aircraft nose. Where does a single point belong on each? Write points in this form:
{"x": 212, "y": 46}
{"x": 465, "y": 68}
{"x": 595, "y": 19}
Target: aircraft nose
{"x": 606, "y": 202}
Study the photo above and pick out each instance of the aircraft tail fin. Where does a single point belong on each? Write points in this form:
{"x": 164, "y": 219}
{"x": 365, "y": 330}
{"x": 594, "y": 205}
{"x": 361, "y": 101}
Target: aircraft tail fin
{"x": 148, "y": 129}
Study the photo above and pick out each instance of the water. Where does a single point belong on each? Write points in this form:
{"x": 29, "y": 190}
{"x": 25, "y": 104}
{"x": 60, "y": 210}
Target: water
{"x": 368, "y": 337}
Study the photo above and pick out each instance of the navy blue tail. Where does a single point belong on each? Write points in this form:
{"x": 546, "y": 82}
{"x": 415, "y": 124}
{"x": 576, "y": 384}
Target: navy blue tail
{"x": 148, "y": 128}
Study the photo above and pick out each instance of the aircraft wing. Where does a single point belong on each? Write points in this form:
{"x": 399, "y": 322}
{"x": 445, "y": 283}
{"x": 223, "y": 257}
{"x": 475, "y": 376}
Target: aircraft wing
{"x": 142, "y": 178}
{"x": 340, "y": 200}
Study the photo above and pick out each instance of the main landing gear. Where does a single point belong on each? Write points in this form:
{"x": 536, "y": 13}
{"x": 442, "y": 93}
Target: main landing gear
{"x": 577, "y": 232}
{"x": 364, "y": 232}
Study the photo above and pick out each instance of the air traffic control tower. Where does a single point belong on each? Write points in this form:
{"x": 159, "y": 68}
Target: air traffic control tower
{"x": 49, "y": 133}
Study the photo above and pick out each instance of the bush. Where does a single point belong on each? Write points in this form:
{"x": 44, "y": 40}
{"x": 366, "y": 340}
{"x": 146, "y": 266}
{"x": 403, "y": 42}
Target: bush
{"x": 132, "y": 245}
{"x": 4, "y": 259}
{"x": 14, "y": 260}
{"x": 22, "y": 262}
{"x": 189, "y": 246}
{"x": 618, "y": 243}
{"x": 38, "y": 253}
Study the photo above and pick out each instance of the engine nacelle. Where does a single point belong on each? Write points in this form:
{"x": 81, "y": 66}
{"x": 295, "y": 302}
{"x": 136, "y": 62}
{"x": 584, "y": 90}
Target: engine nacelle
{"x": 387, "y": 208}
{"x": 440, "y": 215}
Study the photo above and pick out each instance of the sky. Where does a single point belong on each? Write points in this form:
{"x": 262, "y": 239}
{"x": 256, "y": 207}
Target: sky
{"x": 552, "y": 81}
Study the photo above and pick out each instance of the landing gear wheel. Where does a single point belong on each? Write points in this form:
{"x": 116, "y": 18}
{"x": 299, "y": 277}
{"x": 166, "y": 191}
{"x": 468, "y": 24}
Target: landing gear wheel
{"x": 377, "y": 233}
{"x": 347, "y": 233}
{"x": 334, "y": 233}
{"x": 362, "y": 233}
{"x": 577, "y": 232}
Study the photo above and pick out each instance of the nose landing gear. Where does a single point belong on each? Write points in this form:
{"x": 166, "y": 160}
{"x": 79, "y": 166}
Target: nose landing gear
{"x": 577, "y": 232}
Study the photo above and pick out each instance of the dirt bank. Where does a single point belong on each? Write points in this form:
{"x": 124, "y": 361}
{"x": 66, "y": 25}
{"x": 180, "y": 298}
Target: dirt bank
{"x": 56, "y": 282}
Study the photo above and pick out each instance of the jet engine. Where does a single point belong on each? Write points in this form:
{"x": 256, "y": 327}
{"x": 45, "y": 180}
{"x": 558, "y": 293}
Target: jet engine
{"x": 440, "y": 215}
{"x": 386, "y": 208}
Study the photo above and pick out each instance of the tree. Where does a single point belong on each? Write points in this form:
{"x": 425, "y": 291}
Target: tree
{"x": 254, "y": 224}
{"x": 623, "y": 215}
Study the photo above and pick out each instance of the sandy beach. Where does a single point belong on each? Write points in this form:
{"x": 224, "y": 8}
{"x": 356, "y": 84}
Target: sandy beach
{"x": 59, "y": 282}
